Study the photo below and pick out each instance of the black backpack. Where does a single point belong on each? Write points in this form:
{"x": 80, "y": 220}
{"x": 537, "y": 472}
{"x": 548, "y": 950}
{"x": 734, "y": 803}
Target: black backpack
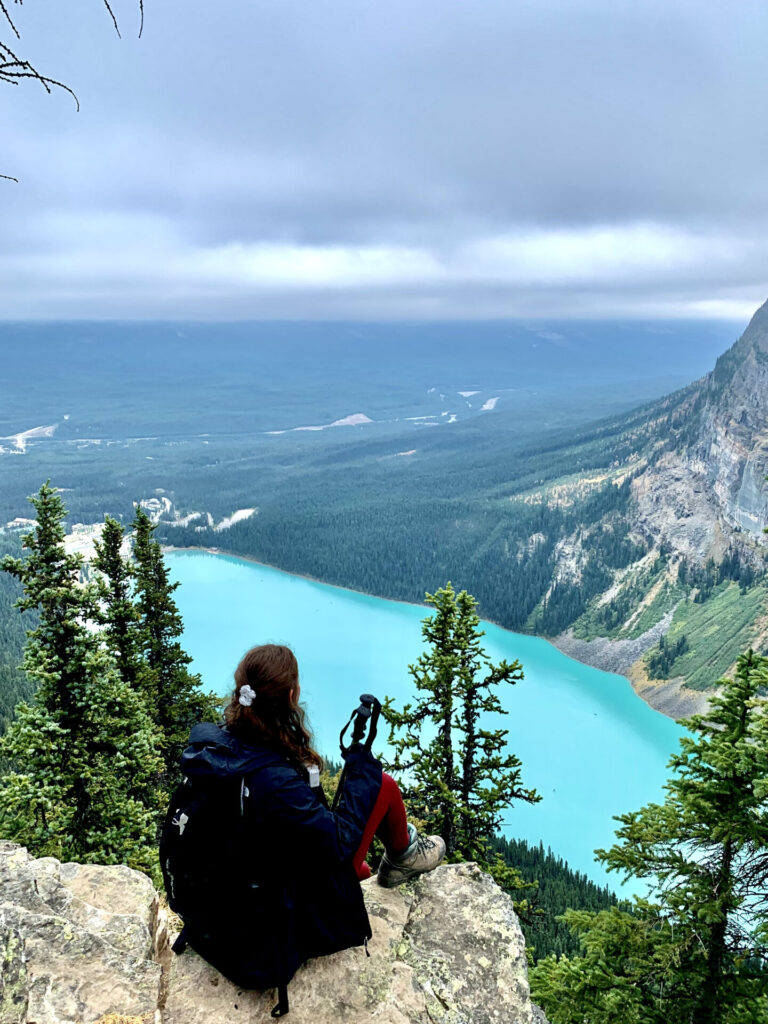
{"x": 209, "y": 856}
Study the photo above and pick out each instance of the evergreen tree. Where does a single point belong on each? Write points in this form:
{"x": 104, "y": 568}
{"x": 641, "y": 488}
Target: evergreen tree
{"x": 175, "y": 698}
{"x": 118, "y": 615}
{"x": 694, "y": 952}
{"x": 458, "y": 778}
{"x": 15, "y": 686}
{"x": 76, "y": 761}
{"x": 629, "y": 971}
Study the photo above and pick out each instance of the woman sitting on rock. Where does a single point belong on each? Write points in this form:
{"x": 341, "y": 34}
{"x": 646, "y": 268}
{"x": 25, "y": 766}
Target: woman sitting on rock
{"x": 297, "y": 864}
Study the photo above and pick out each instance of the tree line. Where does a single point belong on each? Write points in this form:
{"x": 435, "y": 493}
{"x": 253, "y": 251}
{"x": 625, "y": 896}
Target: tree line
{"x": 557, "y": 888}
{"x": 661, "y": 660}
{"x": 704, "y": 578}
{"x": 503, "y": 553}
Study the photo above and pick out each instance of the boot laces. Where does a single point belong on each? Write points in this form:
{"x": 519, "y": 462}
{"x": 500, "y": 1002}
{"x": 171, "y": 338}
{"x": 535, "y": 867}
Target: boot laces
{"x": 424, "y": 843}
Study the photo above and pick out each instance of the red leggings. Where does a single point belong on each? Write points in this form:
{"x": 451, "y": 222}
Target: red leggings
{"x": 387, "y": 821}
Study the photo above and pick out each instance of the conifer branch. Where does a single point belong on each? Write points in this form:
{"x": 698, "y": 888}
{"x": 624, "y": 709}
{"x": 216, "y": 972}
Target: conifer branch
{"x": 14, "y": 69}
{"x": 114, "y": 19}
{"x": 8, "y": 18}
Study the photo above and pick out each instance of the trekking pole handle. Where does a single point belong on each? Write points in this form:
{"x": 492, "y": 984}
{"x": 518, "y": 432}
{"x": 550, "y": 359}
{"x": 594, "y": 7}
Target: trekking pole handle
{"x": 368, "y": 712}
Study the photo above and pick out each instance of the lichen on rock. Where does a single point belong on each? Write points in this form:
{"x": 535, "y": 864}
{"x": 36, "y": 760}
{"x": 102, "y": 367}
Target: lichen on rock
{"x": 77, "y": 941}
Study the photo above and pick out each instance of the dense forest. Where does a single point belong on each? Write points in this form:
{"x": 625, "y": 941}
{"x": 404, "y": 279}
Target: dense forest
{"x": 486, "y": 508}
{"x": 529, "y": 508}
{"x": 558, "y": 887}
{"x": 504, "y": 552}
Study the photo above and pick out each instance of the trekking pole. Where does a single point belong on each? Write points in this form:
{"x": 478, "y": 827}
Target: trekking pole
{"x": 364, "y": 716}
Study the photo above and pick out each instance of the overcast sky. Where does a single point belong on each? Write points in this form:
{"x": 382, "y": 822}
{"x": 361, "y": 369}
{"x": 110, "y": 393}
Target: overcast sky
{"x": 387, "y": 159}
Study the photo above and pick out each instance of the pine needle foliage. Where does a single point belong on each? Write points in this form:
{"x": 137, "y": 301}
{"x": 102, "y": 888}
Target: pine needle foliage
{"x": 76, "y": 761}
{"x": 174, "y": 696}
{"x": 457, "y": 776}
{"x": 695, "y": 951}
{"x": 118, "y": 615}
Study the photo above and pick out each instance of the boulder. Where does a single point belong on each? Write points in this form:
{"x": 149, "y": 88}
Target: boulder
{"x": 85, "y": 944}
{"x": 76, "y": 941}
{"x": 448, "y": 947}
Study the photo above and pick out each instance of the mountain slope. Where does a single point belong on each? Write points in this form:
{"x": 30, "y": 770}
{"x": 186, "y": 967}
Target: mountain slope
{"x": 610, "y": 539}
{"x": 701, "y": 501}
{"x": 706, "y": 490}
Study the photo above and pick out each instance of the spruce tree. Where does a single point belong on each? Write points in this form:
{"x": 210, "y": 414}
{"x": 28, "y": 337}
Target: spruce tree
{"x": 175, "y": 698}
{"x": 118, "y": 615}
{"x": 76, "y": 761}
{"x": 458, "y": 778}
{"x": 698, "y": 953}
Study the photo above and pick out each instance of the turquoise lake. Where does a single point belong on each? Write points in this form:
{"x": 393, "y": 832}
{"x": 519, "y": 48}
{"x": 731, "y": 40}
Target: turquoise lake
{"x": 588, "y": 744}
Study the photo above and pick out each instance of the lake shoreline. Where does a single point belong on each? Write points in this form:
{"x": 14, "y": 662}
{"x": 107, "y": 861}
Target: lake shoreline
{"x": 671, "y": 697}
{"x": 666, "y": 698}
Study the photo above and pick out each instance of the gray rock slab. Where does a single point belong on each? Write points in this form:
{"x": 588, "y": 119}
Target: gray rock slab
{"x": 465, "y": 945}
{"x": 62, "y": 974}
{"x": 76, "y": 941}
{"x": 85, "y": 944}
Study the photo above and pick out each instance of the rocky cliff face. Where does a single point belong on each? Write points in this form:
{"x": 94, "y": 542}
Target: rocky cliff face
{"x": 706, "y": 492}
{"x": 698, "y": 462}
{"x": 83, "y": 944}
{"x": 735, "y": 428}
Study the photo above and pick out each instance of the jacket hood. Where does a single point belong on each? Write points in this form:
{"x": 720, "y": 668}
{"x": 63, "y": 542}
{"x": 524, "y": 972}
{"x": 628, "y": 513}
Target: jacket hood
{"x": 212, "y": 750}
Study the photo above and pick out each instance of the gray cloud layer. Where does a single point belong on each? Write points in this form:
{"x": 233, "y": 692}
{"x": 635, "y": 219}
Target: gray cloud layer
{"x": 284, "y": 158}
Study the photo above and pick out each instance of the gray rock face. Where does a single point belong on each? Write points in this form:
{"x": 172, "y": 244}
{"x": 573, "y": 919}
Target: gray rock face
{"x": 75, "y": 941}
{"x": 710, "y": 492}
{"x": 83, "y": 944}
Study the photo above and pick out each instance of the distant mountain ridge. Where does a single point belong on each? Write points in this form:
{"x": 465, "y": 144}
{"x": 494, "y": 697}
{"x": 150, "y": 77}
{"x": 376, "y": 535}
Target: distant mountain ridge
{"x": 706, "y": 490}
{"x": 699, "y": 497}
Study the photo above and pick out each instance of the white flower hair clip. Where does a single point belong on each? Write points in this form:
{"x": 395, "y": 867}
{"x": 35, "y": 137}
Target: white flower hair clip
{"x": 247, "y": 696}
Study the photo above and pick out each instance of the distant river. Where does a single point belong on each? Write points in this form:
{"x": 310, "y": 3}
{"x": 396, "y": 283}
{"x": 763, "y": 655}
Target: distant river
{"x": 588, "y": 744}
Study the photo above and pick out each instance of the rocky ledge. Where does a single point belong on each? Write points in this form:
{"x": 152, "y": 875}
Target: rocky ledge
{"x": 86, "y": 944}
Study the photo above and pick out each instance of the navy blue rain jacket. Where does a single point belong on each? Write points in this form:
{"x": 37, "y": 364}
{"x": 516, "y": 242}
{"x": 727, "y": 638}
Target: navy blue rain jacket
{"x": 311, "y": 901}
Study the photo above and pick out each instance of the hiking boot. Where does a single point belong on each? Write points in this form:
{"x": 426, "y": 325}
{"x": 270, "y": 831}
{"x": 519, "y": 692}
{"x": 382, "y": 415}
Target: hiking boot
{"x": 423, "y": 854}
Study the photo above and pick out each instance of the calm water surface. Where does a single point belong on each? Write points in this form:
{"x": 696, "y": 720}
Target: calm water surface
{"x": 588, "y": 744}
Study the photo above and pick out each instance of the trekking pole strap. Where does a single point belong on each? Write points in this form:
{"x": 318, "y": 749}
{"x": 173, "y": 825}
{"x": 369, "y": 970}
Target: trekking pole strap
{"x": 365, "y": 716}
{"x": 375, "y": 712}
{"x": 281, "y": 1008}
